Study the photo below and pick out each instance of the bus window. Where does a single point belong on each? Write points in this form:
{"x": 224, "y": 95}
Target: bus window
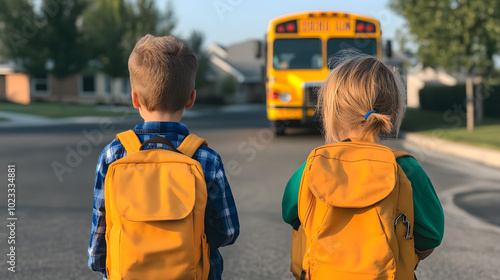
{"x": 364, "y": 45}
{"x": 297, "y": 54}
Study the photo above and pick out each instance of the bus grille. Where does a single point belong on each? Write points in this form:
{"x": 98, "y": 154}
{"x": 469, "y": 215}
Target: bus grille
{"x": 311, "y": 94}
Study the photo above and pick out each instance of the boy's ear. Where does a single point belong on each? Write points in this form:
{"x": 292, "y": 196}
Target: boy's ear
{"x": 192, "y": 98}
{"x": 135, "y": 100}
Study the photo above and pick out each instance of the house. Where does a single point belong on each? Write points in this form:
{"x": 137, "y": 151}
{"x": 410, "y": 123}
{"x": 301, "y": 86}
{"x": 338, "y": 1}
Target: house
{"x": 81, "y": 88}
{"x": 419, "y": 76}
{"x": 14, "y": 86}
{"x": 234, "y": 73}
{"x": 91, "y": 88}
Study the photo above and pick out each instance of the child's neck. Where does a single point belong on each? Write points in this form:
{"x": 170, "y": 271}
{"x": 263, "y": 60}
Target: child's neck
{"x": 357, "y": 134}
{"x": 158, "y": 116}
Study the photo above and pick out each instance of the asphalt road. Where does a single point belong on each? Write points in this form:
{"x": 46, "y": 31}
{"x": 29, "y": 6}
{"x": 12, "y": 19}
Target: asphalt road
{"x": 54, "y": 217}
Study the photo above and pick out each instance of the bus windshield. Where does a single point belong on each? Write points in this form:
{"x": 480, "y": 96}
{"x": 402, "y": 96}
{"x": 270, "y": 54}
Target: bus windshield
{"x": 297, "y": 54}
{"x": 364, "y": 45}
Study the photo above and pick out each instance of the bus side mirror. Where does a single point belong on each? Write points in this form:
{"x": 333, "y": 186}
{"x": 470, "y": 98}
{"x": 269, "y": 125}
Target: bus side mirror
{"x": 258, "y": 51}
{"x": 388, "y": 49}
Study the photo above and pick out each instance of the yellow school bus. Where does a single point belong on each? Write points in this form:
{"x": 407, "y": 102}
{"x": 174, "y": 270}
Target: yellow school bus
{"x": 298, "y": 47}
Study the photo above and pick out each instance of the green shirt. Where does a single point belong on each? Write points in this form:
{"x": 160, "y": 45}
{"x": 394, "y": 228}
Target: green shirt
{"x": 429, "y": 218}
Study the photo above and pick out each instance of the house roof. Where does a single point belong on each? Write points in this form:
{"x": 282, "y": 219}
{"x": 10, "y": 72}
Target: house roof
{"x": 432, "y": 75}
{"x": 397, "y": 59}
{"x": 239, "y": 60}
{"x": 6, "y": 67}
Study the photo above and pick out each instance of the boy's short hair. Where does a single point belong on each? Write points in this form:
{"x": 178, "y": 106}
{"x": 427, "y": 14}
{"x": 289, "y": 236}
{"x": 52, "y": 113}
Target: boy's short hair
{"x": 162, "y": 72}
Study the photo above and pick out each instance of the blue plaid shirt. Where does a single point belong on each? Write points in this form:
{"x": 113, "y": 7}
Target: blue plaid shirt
{"x": 221, "y": 219}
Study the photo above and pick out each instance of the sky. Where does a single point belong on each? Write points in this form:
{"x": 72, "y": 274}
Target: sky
{"x": 232, "y": 21}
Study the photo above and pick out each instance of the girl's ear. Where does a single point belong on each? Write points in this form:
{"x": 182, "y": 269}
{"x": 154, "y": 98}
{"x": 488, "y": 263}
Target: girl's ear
{"x": 135, "y": 100}
{"x": 190, "y": 102}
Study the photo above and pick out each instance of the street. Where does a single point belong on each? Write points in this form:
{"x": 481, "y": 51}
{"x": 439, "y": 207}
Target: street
{"x": 54, "y": 208}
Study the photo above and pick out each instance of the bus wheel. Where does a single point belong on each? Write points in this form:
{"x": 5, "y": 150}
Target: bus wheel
{"x": 278, "y": 127}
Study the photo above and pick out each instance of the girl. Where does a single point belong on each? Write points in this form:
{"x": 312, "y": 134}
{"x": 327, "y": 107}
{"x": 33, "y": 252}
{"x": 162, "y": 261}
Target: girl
{"x": 361, "y": 101}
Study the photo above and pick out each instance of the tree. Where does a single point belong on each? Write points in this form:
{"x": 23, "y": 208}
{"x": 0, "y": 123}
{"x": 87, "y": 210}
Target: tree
{"x": 64, "y": 37}
{"x": 195, "y": 41}
{"x": 229, "y": 84}
{"x": 64, "y": 44}
{"x": 105, "y": 29}
{"x": 455, "y": 34}
{"x": 43, "y": 40}
{"x": 21, "y": 37}
{"x": 112, "y": 27}
{"x": 148, "y": 19}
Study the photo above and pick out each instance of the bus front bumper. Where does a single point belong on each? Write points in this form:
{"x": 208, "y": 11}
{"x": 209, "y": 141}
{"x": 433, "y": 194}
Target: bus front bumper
{"x": 304, "y": 114}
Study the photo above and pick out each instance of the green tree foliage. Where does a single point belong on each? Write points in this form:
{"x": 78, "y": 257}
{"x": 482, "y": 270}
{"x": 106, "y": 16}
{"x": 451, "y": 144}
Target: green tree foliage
{"x": 19, "y": 43}
{"x": 43, "y": 39}
{"x": 148, "y": 19}
{"x": 20, "y": 35}
{"x": 112, "y": 27}
{"x": 195, "y": 41}
{"x": 63, "y": 36}
{"x": 67, "y": 36}
{"x": 105, "y": 27}
{"x": 229, "y": 84}
{"x": 454, "y": 33}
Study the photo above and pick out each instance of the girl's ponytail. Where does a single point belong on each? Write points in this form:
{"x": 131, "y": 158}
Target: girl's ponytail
{"x": 375, "y": 124}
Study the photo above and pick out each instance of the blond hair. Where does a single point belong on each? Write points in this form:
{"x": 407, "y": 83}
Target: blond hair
{"x": 162, "y": 73}
{"x": 357, "y": 85}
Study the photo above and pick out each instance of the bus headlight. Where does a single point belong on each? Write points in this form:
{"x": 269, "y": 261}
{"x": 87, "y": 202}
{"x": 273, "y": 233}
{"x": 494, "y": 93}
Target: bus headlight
{"x": 285, "y": 97}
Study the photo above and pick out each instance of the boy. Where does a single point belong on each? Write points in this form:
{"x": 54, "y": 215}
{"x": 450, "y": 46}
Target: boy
{"x": 162, "y": 77}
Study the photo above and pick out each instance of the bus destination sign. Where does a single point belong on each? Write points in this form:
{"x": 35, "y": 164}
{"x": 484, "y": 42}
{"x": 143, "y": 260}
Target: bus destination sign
{"x": 323, "y": 25}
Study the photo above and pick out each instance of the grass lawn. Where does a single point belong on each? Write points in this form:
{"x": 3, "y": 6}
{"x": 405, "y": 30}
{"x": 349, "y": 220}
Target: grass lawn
{"x": 56, "y": 110}
{"x": 452, "y": 126}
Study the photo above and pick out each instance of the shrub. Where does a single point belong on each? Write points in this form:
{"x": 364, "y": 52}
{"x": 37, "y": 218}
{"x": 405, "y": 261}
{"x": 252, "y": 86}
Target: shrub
{"x": 442, "y": 98}
{"x": 229, "y": 84}
{"x": 492, "y": 101}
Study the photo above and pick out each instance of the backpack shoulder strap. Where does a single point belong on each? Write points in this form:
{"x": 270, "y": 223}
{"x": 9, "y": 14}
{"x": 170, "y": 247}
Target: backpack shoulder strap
{"x": 129, "y": 140}
{"x": 401, "y": 153}
{"x": 190, "y": 144}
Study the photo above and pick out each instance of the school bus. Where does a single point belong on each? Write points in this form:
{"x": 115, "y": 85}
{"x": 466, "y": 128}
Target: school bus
{"x": 298, "y": 47}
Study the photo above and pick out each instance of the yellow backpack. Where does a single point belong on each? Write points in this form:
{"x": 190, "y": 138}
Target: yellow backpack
{"x": 356, "y": 210}
{"x": 155, "y": 203}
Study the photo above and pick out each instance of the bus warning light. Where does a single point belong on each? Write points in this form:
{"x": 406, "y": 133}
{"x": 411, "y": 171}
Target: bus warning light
{"x": 370, "y": 28}
{"x": 360, "y": 27}
{"x": 365, "y": 27}
{"x": 287, "y": 27}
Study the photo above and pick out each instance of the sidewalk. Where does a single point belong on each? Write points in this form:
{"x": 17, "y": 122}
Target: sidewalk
{"x": 26, "y": 120}
{"x": 485, "y": 156}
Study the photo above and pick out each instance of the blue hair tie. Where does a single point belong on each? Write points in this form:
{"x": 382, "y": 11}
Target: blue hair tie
{"x": 368, "y": 114}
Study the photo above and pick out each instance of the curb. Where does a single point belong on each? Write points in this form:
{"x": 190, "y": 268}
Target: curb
{"x": 461, "y": 216}
{"x": 481, "y": 155}
{"x": 32, "y": 122}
